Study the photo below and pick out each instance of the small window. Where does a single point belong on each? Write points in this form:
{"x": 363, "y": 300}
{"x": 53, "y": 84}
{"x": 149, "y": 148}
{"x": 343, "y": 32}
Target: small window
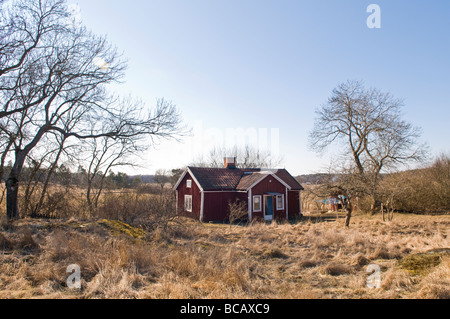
{"x": 280, "y": 202}
{"x": 189, "y": 183}
{"x": 188, "y": 203}
{"x": 257, "y": 203}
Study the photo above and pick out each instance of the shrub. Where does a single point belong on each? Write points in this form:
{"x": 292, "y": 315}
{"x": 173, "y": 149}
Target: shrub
{"x": 143, "y": 210}
{"x": 421, "y": 190}
{"x": 237, "y": 211}
{"x": 337, "y": 269}
{"x": 26, "y": 242}
{"x": 5, "y": 244}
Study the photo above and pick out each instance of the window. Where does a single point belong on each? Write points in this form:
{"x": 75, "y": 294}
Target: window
{"x": 257, "y": 203}
{"x": 280, "y": 202}
{"x": 189, "y": 183}
{"x": 188, "y": 203}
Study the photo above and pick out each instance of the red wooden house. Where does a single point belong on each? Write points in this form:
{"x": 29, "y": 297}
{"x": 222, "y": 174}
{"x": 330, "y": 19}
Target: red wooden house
{"x": 205, "y": 193}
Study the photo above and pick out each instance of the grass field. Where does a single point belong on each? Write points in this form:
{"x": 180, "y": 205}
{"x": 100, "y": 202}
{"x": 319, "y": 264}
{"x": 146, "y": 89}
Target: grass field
{"x": 316, "y": 257}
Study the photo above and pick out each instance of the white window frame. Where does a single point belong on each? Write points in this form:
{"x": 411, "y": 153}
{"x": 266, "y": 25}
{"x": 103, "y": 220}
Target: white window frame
{"x": 282, "y": 202}
{"x": 189, "y": 183}
{"x": 260, "y": 203}
{"x": 188, "y": 203}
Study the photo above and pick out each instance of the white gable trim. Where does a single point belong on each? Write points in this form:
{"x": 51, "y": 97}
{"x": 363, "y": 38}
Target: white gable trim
{"x": 182, "y": 177}
{"x": 269, "y": 174}
{"x": 281, "y": 181}
{"x": 179, "y": 180}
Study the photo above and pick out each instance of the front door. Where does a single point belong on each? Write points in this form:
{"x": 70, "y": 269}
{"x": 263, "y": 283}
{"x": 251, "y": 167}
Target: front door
{"x": 268, "y": 208}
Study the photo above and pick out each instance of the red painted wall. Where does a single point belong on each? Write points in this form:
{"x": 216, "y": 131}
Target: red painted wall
{"x": 294, "y": 204}
{"x": 196, "y": 198}
{"x": 216, "y": 205}
{"x": 269, "y": 185}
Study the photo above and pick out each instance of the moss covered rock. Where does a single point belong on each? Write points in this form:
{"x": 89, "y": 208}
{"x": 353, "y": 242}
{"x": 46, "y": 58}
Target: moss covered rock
{"x": 122, "y": 228}
{"x": 422, "y": 263}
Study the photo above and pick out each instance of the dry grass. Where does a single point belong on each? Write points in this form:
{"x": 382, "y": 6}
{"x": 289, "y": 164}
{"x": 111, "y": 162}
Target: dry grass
{"x": 313, "y": 258}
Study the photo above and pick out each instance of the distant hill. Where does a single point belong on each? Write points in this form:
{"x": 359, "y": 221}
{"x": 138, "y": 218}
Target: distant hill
{"x": 307, "y": 179}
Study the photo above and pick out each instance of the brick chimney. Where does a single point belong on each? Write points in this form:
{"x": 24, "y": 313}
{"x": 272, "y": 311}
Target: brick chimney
{"x": 229, "y": 162}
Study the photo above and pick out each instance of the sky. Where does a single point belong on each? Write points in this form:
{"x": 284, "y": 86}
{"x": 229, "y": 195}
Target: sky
{"x": 255, "y": 71}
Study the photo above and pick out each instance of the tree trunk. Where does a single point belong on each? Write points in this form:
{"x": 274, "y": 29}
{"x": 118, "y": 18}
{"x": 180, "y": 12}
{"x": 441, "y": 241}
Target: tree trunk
{"x": 349, "y": 208}
{"x": 12, "y": 187}
{"x": 376, "y": 202}
{"x": 391, "y": 211}
{"x": 12, "y": 183}
{"x": 12, "y": 190}
{"x": 347, "y": 218}
{"x": 88, "y": 196}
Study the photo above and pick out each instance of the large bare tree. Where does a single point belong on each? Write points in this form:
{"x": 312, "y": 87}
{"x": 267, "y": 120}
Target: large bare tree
{"x": 367, "y": 125}
{"x": 27, "y": 29}
{"x": 57, "y": 82}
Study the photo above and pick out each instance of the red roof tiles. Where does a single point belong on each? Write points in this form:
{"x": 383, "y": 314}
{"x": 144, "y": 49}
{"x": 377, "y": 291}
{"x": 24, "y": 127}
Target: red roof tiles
{"x": 238, "y": 178}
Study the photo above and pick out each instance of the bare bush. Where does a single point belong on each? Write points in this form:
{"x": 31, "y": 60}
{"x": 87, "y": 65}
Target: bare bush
{"x": 237, "y": 211}
{"x": 144, "y": 210}
{"x": 421, "y": 190}
{"x": 148, "y": 188}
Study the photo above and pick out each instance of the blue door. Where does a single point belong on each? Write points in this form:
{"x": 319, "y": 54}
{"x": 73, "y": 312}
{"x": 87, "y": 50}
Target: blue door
{"x": 268, "y": 207}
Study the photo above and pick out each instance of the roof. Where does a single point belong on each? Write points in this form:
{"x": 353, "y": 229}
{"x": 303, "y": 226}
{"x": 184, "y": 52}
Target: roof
{"x": 289, "y": 179}
{"x": 237, "y": 178}
{"x": 249, "y": 179}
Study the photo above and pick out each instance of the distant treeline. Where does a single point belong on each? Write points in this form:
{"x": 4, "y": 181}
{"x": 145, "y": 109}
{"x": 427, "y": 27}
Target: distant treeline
{"x": 313, "y": 179}
{"x": 424, "y": 190}
{"x": 64, "y": 176}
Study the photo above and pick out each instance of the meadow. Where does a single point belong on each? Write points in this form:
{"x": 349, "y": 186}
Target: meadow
{"x": 315, "y": 257}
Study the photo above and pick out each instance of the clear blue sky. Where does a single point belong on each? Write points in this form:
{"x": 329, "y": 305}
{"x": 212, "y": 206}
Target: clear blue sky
{"x": 266, "y": 64}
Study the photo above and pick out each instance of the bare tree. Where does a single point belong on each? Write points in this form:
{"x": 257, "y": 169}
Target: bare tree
{"x": 371, "y": 132}
{"x": 40, "y": 175}
{"x": 175, "y": 176}
{"x": 104, "y": 154}
{"x": 27, "y": 29}
{"x": 247, "y": 157}
{"x": 344, "y": 186}
{"x": 161, "y": 178}
{"x": 64, "y": 90}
